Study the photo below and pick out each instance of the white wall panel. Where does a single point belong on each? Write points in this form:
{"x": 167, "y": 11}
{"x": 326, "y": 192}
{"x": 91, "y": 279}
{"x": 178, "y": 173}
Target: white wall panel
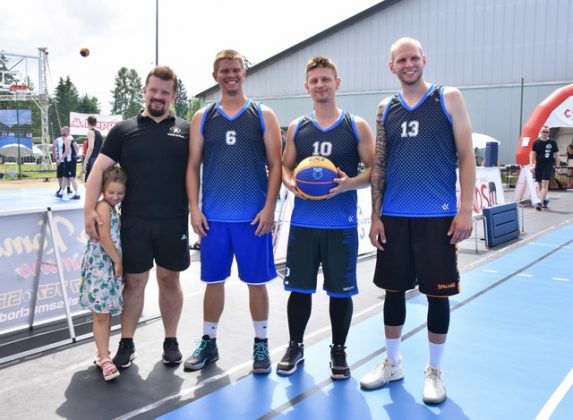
{"x": 484, "y": 47}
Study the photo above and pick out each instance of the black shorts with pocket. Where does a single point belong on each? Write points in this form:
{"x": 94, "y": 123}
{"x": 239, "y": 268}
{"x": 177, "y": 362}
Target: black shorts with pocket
{"x": 418, "y": 252}
{"x": 335, "y": 249}
{"x": 165, "y": 241}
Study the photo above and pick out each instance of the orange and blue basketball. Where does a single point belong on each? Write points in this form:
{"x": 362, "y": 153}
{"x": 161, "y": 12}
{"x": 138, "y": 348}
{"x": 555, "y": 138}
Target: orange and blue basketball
{"x": 314, "y": 177}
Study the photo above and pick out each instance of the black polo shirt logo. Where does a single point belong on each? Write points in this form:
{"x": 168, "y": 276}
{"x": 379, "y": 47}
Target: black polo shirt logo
{"x": 176, "y": 132}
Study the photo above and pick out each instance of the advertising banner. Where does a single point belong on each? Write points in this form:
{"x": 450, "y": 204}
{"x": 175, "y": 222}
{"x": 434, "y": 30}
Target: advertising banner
{"x": 488, "y": 190}
{"x": 79, "y": 123}
{"x": 16, "y": 132}
{"x": 20, "y": 242}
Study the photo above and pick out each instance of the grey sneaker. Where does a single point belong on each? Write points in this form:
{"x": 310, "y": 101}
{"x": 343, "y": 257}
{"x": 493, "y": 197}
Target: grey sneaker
{"x": 434, "y": 390}
{"x": 261, "y": 359}
{"x": 338, "y": 366}
{"x": 206, "y": 352}
{"x": 385, "y": 372}
{"x": 290, "y": 361}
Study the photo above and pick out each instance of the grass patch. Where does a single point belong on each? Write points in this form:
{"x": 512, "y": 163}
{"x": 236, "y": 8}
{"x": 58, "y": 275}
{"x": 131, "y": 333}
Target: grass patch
{"x": 10, "y": 171}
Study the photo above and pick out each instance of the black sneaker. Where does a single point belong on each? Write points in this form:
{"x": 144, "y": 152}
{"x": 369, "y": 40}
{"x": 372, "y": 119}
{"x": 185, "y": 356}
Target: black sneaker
{"x": 206, "y": 352}
{"x": 293, "y": 356}
{"x": 338, "y": 367}
{"x": 261, "y": 359}
{"x": 545, "y": 203}
{"x": 538, "y": 207}
{"x": 171, "y": 353}
{"x": 125, "y": 354}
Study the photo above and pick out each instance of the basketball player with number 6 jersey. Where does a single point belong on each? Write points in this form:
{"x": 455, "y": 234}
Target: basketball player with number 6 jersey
{"x": 324, "y": 231}
{"x": 421, "y": 133}
{"x": 238, "y": 142}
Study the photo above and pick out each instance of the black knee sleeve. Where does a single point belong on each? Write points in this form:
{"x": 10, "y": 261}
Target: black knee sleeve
{"x": 438, "y": 314}
{"x": 394, "y": 308}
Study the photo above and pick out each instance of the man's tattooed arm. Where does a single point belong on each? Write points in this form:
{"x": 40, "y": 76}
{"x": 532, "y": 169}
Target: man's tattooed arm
{"x": 379, "y": 168}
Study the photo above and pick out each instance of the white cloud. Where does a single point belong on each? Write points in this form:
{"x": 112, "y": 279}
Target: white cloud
{"x": 122, "y": 33}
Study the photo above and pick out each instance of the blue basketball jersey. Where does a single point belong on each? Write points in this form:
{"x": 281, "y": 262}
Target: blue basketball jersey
{"x": 234, "y": 179}
{"x": 421, "y": 158}
{"x": 339, "y": 143}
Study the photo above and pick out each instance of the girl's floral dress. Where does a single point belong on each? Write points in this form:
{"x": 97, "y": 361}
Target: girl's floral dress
{"x": 100, "y": 290}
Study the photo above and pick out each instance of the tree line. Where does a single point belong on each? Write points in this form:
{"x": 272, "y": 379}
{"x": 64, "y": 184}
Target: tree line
{"x": 127, "y": 101}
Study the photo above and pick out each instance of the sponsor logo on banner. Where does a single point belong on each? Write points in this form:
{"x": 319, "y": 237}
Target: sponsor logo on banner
{"x": 79, "y": 123}
{"x": 488, "y": 190}
{"x": 20, "y": 242}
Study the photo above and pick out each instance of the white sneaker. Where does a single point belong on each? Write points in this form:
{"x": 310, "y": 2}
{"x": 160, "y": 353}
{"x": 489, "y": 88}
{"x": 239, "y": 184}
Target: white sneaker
{"x": 385, "y": 372}
{"x": 434, "y": 390}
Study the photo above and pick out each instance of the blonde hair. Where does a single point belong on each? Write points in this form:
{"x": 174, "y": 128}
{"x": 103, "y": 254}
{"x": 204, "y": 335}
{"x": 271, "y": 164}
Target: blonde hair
{"x": 228, "y": 55}
{"x": 402, "y": 41}
{"x": 113, "y": 174}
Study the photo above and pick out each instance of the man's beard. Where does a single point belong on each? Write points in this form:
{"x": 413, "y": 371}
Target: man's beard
{"x": 156, "y": 112}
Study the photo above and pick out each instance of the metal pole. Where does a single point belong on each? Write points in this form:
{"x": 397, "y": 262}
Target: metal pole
{"x": 521, "y": 109}
{"x": 52, "y": 227}
{"x": 18, "y": 134}
{"x": 156, "y": 32}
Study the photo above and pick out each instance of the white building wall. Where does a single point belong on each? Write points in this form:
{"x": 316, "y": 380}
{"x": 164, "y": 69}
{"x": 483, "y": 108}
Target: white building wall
{"x": 484, "y": 47}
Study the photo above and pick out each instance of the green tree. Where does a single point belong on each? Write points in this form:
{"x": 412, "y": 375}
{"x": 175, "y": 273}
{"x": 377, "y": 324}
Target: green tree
{"x": 181, "y": 101}
{"x": 64, "y": 101}
{"x": 6, "y": 78}
{"x": 88, "y": 105}
{"x": 194, "y": 106}
{"x": 127, "y": 93}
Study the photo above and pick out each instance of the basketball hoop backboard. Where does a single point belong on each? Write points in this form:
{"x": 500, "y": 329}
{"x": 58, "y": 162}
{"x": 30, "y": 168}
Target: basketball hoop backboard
{"x": 17, "y": 71}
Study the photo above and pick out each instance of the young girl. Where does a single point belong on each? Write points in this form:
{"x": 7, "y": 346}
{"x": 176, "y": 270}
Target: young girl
{"x": 100, "y": 290}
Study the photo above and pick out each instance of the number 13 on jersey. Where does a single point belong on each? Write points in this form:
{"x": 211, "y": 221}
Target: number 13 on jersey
{"x": 410, "y": 128}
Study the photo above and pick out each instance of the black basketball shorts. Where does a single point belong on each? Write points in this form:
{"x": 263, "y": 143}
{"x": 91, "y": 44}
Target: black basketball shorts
{"x": 418, "y": 252}
{"x": 335, "y": 249}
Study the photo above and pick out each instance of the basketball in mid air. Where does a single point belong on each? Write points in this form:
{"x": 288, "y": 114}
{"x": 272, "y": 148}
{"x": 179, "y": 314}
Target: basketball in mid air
{"x": 84, "y": 52}
{"x": 314, "y": 177}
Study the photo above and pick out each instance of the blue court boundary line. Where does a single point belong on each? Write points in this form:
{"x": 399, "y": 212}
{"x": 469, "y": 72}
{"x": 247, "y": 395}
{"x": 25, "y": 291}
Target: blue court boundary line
{"x": 320, "y": 386}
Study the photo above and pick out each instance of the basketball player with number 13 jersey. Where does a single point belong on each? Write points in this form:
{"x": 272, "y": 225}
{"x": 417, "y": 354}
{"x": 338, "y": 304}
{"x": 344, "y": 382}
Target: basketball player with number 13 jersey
{"x": 421, "y": 133}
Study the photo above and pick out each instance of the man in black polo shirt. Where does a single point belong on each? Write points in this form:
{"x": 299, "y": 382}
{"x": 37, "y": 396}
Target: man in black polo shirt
{"x": 544, "y": 156}
{"x": 152, "y": 148}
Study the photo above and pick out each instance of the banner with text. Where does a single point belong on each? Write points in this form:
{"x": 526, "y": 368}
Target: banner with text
{"x": 488, "y": 189}
{"x": 20, "y": 237}
{"x": 79, "y": 123}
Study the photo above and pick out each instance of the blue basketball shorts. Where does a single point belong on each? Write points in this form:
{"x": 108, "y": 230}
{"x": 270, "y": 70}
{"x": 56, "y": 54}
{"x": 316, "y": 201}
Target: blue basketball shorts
{"x": 335, "y": 249}
{"x": 254, "y": 254}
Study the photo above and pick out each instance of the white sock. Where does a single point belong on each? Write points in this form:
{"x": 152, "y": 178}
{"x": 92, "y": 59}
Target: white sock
{"x": 436, "y": 352}
{"x": 393, "y": 349}
{"x": 210, "y": 329}
{"x": 261, "y": 328}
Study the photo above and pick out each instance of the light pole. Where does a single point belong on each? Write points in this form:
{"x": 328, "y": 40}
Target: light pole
{"x": 156, "y": 32}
